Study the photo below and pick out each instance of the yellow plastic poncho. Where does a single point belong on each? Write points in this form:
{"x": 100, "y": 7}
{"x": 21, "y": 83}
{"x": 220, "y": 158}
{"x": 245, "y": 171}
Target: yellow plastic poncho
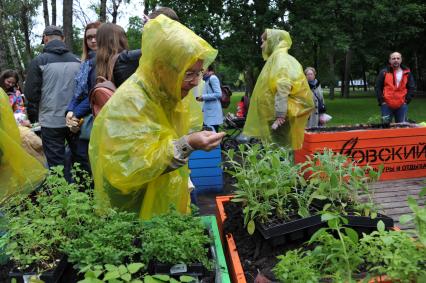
{"x": 131, "y": 140}
{"x": 19, "y": 171}
{"x": 280, "y": 71}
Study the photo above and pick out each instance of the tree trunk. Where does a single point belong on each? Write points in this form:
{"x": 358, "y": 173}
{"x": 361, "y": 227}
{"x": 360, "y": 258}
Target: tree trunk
{"x": 25, "y": 30}
{"x": 332, "y": 75}
{"x": 316, "y": 56}
{"x": 45, "y": 13}
{"x": 115, "y": 6}
{"x": 53, "y": 12}
{"x": 102, "y": 11}
{"x": 249, "y": 80}
{"x": 364, "y": 79}
{"x": 347, "y": 73}
{"x": 3, "y": 52}
{"x": 12, "y": 52}
{"x": 67, "y": 16}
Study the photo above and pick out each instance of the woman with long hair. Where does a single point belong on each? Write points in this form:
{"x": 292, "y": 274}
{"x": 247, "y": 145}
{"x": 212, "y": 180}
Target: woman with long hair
{"x": 9, "y": 83}
{"x": 79, "y": 106}
{"x": 113, "y": 60}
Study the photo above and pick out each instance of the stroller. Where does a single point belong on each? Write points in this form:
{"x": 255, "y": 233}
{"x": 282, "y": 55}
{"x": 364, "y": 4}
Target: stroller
{"x": 234, "y": 127}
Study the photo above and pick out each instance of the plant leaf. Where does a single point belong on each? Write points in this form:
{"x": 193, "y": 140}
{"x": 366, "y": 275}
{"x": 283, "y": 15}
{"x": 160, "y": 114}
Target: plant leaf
{"x": 405, "y": 218}
{"x": 135, "y": 267}
{"x": 352, "y": 234}
{"x": 186, "y": 278}
{"x": 112, "y": 275}
{"x": 126, "y": 277}
{"x": 162, "y": 277}
{"x": 251, "y": 227}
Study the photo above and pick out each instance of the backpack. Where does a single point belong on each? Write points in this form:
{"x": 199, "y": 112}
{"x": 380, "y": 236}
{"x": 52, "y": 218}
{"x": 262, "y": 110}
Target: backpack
{"x": 103, "y": 89}
{"x": 225, "y": 100}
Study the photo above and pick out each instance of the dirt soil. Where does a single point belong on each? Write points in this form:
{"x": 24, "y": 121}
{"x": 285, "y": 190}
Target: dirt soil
{"x": 256, "y": 254}
{"x": 358, "y": 127}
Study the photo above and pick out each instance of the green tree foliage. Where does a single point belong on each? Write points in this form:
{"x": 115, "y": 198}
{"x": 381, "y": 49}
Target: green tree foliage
{"x": 16, "y": 22}
{"x": 134, "y": 32}
{"x": 370, "y": 29}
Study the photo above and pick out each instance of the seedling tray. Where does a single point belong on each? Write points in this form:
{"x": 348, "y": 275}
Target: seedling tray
{"x": 359, "y": 222}
{"x": 285, "y": 232}
{"x": 221, "y": 274}
{"x": 50, "y": 276}
{"x": 195, "y": 269}
{"x": 368, "y": 222}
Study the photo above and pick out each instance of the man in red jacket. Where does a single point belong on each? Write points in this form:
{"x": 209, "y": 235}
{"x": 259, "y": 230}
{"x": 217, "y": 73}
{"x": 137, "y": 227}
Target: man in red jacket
{"x": 394, "y": 89}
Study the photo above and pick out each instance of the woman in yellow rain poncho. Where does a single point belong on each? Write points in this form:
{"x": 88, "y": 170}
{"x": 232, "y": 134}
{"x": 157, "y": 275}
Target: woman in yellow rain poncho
{"x": 19, "y": 171}
{"x": 282, "y": 101}
{"x": 139, "y": 142}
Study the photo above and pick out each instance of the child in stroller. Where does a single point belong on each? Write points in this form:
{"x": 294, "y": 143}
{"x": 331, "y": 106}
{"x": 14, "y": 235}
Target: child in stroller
{"x": 234, "y": 124}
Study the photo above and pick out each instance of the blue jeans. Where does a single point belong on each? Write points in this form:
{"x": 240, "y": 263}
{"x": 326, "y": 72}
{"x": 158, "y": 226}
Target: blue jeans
{"x": 400, "y": 114}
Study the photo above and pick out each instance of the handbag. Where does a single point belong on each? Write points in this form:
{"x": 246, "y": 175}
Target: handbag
{"x": 86, "y": 127}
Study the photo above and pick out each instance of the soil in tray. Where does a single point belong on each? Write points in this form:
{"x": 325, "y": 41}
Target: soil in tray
{"x": 360, "y": 127}
{"x": 255, "y": 253}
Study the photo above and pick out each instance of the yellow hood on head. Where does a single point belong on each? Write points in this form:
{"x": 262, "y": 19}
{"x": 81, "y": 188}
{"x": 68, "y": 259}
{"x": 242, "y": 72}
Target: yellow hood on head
{"x": 276, "y": 39}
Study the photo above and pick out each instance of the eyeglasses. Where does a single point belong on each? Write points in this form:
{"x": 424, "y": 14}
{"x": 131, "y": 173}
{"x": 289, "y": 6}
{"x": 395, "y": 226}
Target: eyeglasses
{"x": 190, "y": 76}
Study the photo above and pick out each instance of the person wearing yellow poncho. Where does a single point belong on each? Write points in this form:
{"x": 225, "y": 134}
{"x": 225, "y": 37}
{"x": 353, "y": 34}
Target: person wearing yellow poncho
{"x": 19, "y": 171}
{"x": 282, "y": 101}
{"x": 140, "y": 140}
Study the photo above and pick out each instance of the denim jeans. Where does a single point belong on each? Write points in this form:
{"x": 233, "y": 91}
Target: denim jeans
{"x": 400, "y": 114}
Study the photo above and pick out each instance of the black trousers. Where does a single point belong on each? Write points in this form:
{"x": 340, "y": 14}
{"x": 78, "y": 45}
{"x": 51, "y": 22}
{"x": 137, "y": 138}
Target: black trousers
{"x": 54, "y": 148}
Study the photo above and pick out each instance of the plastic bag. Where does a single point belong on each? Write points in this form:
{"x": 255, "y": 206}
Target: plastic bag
{"x": 324, "y": 118}
{"x": 19, "y": 171}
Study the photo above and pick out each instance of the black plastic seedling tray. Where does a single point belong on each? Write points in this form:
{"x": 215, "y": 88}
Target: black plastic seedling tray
{"x": 285, "y": 232}
{"x": 50, "y": 276}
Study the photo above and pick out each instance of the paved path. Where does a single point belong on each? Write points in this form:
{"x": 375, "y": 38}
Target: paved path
{"x": 392, "y": 197}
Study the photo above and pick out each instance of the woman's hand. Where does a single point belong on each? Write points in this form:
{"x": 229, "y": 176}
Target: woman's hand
{"x": 205, "y": 140}
{"x": 278, "y": 123}
{"x": 70, "y": 120}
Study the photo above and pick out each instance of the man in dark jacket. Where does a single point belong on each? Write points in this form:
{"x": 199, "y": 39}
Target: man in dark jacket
{"x": 395, "y": 88}
{"x": 49, "y": 89}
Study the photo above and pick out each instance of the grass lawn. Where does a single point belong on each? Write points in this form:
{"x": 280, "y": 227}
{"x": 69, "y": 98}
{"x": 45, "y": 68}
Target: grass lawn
{"x": 359, "y": 108}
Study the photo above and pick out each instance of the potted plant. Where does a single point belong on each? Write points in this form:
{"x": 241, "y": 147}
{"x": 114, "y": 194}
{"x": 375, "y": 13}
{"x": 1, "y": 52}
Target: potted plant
{"x": 338, "y": 254}
{"x": 341, "y": 186}
{"x": 37, "y": 227}
{"x": 273, "y": 193}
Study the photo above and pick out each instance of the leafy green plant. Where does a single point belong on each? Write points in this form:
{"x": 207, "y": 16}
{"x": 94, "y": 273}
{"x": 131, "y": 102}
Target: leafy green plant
{"x": 112, "y": 239}
{"x": 39, "y": 225}
{"x": 339, "y": 255}
{"x": 295, "y": 266}
{"x": 418, "y": 217}
{"x": 395, "y": 254}
{"x": 127, "y": 273}
{"x": 334, "y": 257}
{"x": 268, "y": 184}
{"x": 175, "y": 238}
{"x": 339, "y": 182}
